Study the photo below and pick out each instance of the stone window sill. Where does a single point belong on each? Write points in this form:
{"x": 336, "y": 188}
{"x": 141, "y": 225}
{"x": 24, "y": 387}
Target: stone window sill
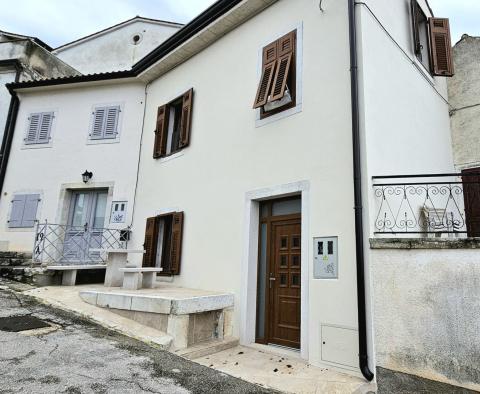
{"x": 424, "y": 243}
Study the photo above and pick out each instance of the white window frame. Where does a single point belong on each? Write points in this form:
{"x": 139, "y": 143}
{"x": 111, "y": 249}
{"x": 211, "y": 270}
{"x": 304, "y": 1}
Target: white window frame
{"x": 299, "y": 76}
{"x": 96, "y": 141}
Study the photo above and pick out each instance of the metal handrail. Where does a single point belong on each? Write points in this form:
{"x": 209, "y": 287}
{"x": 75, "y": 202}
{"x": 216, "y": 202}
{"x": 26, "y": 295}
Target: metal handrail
{"x": 64, "y": 244}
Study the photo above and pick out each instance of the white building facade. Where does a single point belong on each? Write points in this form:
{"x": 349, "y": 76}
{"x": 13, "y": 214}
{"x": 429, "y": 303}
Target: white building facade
{"x": 258, "y": 202}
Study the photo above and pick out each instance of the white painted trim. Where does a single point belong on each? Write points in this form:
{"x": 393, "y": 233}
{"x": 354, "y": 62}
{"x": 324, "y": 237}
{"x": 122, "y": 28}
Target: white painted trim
{"x": 248, "y": 297}
{"x": 299, "y": 76}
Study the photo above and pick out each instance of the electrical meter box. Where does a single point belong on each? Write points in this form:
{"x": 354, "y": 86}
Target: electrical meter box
{"x": 325, "y": 258}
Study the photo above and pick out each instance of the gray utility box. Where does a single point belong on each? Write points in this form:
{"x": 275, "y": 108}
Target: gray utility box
{"x": 325, "y": 258}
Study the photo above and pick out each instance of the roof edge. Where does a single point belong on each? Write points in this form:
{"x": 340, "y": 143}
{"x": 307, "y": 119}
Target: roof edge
{"x": 113, "y": 27}
{"x": 212, "y": 13}
{"x": 31, "y": 38}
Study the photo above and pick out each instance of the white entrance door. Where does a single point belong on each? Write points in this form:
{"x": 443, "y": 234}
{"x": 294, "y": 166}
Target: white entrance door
{"x": 86, "y": 221}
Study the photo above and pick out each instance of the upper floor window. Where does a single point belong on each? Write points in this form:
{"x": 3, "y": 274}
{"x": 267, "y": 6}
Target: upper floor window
{"x": 432, "y": 43}
{"x": 172, "y": 132}
{"x": 105, "y": 122}
{"x": 39, "y": 128}
{"x": 163, "y": 242}
{"x": 276, "y": 90}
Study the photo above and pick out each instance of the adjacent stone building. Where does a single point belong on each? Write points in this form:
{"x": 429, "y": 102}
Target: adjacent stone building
{"x": 464, "y": 97}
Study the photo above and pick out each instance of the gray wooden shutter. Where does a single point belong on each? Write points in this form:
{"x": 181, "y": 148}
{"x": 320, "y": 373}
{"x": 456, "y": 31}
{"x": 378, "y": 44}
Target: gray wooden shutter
{"x": 33, "y": 128}
{"x": 98, "y": 123}
{"x": 186, "y": 120}
{"x": 18, "y": 206}
{"x": 45, "y": 128}
{"x": 111, "y": 122}
{"x": 30, "y": 211}
{"x": 441, "y": 47}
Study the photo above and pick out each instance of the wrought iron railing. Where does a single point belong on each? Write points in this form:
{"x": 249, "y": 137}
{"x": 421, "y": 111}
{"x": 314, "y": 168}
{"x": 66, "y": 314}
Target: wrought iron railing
{"x": 67, "y": 245}
{"x": 426, "y": 204}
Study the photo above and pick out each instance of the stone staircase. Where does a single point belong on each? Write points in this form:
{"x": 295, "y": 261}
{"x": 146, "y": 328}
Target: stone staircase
{"x": 19, "y": 266}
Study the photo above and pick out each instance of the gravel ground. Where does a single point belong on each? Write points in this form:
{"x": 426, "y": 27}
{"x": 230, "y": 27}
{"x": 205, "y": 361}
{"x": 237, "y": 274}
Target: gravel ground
{"x": 80, "y": 357}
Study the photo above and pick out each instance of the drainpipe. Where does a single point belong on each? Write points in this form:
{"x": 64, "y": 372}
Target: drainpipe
{"x": 9, "y": 128}
{"x": 357, "y": 188}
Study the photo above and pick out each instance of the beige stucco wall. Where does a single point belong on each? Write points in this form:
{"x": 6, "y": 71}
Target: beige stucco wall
{"x": 229, "y": 156}
{"x": 426, "y": 310}
{"x": 464, "y": 96}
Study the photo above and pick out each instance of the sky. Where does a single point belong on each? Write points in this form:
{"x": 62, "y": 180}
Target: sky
{"x": 57, "y": 22}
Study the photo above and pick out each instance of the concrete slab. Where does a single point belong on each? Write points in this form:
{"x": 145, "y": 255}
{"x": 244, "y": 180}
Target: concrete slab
{"x": 282, "y": 372}
{"x": 68, "y": 299}
{"x": 164, "y": 298}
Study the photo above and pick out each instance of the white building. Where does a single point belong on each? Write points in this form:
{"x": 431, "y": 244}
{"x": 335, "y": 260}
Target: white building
{"x": 117, "y": 47}
{"x": 216, "y": 191}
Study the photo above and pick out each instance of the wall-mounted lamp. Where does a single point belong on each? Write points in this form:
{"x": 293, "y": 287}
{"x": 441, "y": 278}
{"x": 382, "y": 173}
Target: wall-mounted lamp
{"x": 86, "y": 176}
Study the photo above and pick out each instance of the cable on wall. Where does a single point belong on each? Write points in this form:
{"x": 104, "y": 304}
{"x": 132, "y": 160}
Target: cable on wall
{"x": 412, "y": 61}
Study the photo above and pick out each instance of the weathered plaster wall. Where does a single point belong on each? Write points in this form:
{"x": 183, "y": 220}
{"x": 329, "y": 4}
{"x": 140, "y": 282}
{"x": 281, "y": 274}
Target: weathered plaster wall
{"x": 464, "y": 95}
{"x": 426, "y": 313}
{"x": 115, "y": 50}
{"x": 6, "y": 76}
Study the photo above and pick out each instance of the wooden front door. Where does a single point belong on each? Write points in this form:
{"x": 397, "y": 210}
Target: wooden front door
{"x": 471, "y": 195}
{"x": 284, "y": 283}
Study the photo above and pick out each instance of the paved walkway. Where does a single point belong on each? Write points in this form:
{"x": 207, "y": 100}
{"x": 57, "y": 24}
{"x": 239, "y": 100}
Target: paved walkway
{"x": 77, "y": 357}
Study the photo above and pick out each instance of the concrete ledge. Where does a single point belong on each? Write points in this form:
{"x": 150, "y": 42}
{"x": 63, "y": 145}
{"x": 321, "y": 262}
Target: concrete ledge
{"x": 424, "y": 243}
{"x": 158, "y": 303}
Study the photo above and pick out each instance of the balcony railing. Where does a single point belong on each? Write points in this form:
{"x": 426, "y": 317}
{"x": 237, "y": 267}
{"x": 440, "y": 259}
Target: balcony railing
{"x": 66, "y": 245}
{"x": 427, "y": 204}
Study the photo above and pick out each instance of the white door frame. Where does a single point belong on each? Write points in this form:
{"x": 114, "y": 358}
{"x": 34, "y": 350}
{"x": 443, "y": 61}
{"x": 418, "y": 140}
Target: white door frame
{"x": 248, "y": 301}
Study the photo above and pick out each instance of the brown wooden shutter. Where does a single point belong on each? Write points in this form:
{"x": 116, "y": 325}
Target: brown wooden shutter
{"x": 441, "y": 47}
{"x": 160, "y": 132}
{"x": 186, "y": 121}
{"x": 176, "y": 247}
{"x": 416, "y": 36}
{"x": 150, "y": 243}
{"x": 286, "y": 47}
{"x": 269, "y": 61}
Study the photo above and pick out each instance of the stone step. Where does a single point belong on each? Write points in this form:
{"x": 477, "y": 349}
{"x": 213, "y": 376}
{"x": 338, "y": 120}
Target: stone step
{"x": 207, "y": 348}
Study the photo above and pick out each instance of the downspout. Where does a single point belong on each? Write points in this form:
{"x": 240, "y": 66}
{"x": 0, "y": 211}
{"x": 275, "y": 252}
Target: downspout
{"x": 357, "y": 189}
{"x": 9, "y": 129}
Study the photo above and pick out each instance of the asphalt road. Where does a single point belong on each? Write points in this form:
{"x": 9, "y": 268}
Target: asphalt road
{"x": 79, "y": 357}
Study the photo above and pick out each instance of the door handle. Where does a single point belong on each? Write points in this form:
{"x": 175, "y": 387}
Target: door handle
{"x": 272, "y": 279}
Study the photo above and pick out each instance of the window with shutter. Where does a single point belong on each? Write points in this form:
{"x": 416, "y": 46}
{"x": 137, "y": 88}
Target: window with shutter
{"x": 39, "y": 128}
{"x": 105, "y": 123}
{"x": 421, "y": 45}
{"x": 277, "y": 87}
{"x": 174, "y": 122}
{"x": 440, "y": 42}
{"x": 163, "y": 242}
{"x": 24, "y": 211}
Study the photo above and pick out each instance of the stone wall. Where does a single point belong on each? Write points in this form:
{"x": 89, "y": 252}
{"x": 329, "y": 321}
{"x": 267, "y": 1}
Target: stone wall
{"x": 427, "y": 308}
{"x": 464, "y": 97}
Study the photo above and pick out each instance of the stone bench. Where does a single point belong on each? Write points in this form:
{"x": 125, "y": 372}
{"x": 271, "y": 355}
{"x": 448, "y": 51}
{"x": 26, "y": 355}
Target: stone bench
{"x": 116, "y": 259}
{"x": 135, "y": 278}
{"x": 69, "y": 274}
